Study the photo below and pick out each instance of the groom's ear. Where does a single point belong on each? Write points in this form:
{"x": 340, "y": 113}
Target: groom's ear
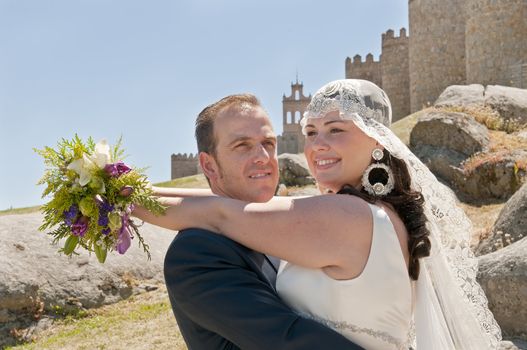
{"x": 209, "y": 166}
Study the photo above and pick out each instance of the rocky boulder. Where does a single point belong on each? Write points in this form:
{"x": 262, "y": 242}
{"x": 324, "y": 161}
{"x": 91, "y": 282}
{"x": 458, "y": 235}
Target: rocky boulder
{"x": 456, "y": 148}
{"x": 455, "y": 131}
{"x": 36, "y": 279}
{"x": 509, "y": 102}
{"x": 461, "y": 95}
{"x": 511, "y": 225}
{"x": 294, "y": 170}
{"x": 503, "y": 276}
{"x": 444, "y": 140}
{"x": 493, "y": 175}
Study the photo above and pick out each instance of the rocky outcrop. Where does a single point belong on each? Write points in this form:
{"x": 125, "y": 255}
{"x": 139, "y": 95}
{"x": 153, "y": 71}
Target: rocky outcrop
{"x": 455, "y": 147}
{"x": 36, "y": 279}
{"x": 461, "y": 95}
{"x": 458, "y": 132}
{"x": 444, "y": 140}
{"x": 511, "y": 225}
{"x": 503, "y": 276}
{"x": 494, "y": 175}
{"x": 294, "y": 170}
{"x": 509, "y": 102}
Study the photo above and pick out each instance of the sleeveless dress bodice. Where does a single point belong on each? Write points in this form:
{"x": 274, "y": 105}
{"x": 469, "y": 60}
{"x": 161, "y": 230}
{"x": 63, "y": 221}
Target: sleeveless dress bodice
{"x": 374, "y": 310}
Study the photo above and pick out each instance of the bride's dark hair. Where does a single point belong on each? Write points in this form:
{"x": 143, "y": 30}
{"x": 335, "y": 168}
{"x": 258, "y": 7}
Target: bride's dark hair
{"x": 407, "y": 203}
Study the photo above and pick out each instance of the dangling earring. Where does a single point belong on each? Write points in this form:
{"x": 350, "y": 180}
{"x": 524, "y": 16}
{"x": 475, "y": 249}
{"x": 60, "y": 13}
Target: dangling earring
{"x": 377, "y": 189}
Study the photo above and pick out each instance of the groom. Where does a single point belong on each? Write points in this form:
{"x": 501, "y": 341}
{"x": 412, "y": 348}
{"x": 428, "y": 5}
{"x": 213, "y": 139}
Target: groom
{"x": 222, "y": 293}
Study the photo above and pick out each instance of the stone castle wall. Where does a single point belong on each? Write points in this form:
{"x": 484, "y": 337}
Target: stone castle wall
{"x": 451, "y": 42}
{"x": 496, "y": 47}
{"x": 367, "y": 70}
{"x": 437, "y": 49}
{"x": 184, "y": 165}
{"x": 395, "y": 72}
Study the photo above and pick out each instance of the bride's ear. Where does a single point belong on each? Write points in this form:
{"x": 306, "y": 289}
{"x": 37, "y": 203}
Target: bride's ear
{"x": 209, "y": 166}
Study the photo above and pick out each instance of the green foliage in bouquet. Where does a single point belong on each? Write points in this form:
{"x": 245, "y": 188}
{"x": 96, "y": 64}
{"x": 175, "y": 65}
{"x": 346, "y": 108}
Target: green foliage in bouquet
{"x": 92, "y": 196}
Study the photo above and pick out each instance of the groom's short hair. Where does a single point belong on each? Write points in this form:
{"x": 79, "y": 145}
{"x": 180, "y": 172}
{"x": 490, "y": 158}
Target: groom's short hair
{"x": 205, "y": 122}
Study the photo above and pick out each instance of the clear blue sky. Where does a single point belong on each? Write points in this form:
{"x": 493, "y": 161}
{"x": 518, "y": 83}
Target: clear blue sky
{"x": 144, "y": 69}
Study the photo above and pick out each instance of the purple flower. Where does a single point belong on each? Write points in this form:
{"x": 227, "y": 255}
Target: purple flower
{"x": 106, "y": 231}
{"x": 116, "y": 169}
{"x": 126, "y": 191}
{"x": 80, "y": 226}
{"x": 70, "y": 214}
{"x": 124, "y": 240}
{"x": 103, "y": 219}
{"x": 104, "y": 206}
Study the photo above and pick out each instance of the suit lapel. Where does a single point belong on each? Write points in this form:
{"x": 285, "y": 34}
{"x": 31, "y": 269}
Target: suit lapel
{"x": 265, "y": 265}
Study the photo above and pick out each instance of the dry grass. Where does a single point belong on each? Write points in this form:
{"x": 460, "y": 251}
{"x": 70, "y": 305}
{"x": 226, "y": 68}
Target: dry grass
{"x": 501, "y": 145}
{"x": 403, "y": 127}
{"x": 194, "y": 181}
{"x": 500, "y": 140}
{"x": 483, "y": 217}
{"x": 488, "y": 117}
{"x": 142, "y": 322}
{"x": 14, "y": 211}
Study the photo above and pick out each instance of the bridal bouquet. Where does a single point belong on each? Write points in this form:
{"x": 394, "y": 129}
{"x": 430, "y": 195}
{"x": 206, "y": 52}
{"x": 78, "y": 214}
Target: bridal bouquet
{"x": 93, "y": 194}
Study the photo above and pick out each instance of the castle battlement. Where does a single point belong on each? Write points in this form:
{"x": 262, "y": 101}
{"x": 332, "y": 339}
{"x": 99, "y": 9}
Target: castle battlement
{"x": 184, "y": 156}
{"x": 367, "y": 70}
{"x": 389, "y": 37}
{"x": 183, "y": 164}
{"x": 357, "y": 60}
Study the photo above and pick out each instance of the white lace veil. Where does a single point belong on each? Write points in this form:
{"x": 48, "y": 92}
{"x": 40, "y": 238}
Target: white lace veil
{"x": 451, "y": 309}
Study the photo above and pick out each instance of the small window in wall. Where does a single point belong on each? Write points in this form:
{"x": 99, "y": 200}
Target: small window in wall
{"x": 298, "y": 116}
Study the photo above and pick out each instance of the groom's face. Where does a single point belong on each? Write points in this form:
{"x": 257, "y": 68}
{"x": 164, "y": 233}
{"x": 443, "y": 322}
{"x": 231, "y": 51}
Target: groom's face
{"x": 245, "y": 165}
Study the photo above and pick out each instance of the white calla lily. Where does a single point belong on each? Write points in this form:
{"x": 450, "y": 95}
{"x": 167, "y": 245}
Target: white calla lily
{"x": 83, "y": 167}
{"x": 101, "y": 155}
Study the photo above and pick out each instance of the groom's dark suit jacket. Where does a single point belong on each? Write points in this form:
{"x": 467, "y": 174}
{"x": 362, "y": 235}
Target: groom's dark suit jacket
{"x": 223, "y": 297}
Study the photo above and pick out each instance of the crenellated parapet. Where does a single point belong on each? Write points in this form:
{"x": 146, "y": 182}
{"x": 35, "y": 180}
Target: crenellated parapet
{"x": 396, "y": 72}
{"x": 183, "y": 164}
{"x": 389, "y": 38}
{"x": 369, "y": 69}
{"x": 184, "y": 156}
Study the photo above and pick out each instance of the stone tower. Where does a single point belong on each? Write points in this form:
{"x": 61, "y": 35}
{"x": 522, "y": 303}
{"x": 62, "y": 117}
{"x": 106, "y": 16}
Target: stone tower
{"x": 294, "y": 106}
{"x": 496, "y": 42}
{"x": 395, "y": 72}
{"x": 437, "y": 48}
{"x": 368, "y": 70}
{"x": 184, "y": 165}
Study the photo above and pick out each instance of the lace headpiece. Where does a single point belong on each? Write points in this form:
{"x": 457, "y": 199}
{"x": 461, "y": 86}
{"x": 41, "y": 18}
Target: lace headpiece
{"x": 349, "y": 97}
{"x": 451, "y": 307}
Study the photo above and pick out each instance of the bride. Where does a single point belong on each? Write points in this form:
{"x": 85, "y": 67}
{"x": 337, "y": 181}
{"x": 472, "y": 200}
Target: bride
{"x": 387, "y": 238}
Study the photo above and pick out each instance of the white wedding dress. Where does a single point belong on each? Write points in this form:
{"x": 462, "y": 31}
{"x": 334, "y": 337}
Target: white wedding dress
{"x": 374, "y": 310}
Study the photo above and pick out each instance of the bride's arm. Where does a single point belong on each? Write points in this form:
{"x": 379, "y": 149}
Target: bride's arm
{"x": 314, "y": 232}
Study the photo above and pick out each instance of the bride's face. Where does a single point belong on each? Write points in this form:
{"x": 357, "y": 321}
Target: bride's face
{"x": 337, "y": 151}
